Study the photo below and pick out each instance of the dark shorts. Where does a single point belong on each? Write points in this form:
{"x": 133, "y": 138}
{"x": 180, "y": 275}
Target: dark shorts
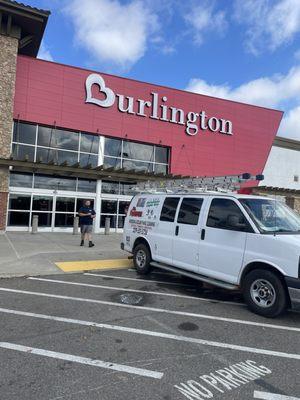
{"x": 86, "y": 228}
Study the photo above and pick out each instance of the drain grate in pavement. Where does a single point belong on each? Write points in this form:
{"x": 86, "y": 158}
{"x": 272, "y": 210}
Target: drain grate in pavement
{"x": 131, "y": 298}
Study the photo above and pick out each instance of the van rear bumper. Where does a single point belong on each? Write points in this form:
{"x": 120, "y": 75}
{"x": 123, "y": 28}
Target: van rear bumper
{"x": 293, "y": 285}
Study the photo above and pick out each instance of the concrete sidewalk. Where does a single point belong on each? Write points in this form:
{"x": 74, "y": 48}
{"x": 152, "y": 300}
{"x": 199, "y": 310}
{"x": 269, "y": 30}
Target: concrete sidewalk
{"x": 24, "y": 254}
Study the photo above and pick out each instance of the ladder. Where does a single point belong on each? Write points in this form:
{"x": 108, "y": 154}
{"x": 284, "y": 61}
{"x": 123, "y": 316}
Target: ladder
{"x": 224, "y": 183}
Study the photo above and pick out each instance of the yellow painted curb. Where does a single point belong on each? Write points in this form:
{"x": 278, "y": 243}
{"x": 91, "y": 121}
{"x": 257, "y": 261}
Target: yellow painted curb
{"x": 71, "y": 266}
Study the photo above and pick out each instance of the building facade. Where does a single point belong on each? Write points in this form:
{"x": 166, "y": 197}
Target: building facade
{"x": 69, "y": 134}
{"x": 282, "y": 173}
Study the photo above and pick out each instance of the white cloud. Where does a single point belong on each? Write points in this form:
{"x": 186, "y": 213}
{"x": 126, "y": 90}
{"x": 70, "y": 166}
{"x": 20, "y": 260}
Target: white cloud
{"x": 268, "y": 91}
{"x": 113, "y": 32}
{"x": 203, "y": 18}
{"x": 271, "y": 23}
{"x": 278, "y": 91}
{"x": 290, "y": 126}
{"x": 44, "y": 53}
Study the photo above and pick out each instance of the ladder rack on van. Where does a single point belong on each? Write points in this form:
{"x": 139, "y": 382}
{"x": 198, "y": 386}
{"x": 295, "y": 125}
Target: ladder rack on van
{"x": 197, "y": 184}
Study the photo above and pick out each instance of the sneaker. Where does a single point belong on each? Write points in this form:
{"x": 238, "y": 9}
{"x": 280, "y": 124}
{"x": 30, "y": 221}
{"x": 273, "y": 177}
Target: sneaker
{"x": 91, "y": 244}
{"x": 82, "y": 243}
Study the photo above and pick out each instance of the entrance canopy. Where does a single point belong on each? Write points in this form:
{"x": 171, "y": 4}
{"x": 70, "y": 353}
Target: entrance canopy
{"x": 87, "y": 172}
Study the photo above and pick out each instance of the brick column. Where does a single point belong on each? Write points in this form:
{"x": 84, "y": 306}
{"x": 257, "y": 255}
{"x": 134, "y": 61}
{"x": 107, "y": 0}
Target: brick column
{"x": 8, "y": 61}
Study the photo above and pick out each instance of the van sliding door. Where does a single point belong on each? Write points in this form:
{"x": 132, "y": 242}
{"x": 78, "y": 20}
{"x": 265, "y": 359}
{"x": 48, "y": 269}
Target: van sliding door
{"x": 187, "y": 234}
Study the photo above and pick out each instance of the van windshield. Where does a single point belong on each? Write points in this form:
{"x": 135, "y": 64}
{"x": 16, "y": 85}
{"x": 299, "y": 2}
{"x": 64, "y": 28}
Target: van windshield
{"x": 272, "y": 216}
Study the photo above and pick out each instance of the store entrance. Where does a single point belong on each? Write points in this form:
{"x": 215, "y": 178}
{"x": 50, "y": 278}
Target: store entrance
{"x": 56, "y": 211}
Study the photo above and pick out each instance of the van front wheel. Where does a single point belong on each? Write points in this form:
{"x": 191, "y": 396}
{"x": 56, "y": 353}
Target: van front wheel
{"x": 265, "y": 293}
{"x": 142, "y": 259}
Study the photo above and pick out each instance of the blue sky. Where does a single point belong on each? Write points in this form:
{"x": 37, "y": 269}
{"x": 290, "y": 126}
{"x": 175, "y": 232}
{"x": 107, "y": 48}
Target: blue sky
{"x": 245, "y": 50}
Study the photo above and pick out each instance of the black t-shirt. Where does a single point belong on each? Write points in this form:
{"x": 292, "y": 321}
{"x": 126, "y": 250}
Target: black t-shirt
{"x": 86, "y": 220}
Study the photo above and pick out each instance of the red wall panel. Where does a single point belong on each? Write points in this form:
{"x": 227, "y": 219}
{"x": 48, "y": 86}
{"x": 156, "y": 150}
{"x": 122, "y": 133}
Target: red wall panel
{"x": 49, "y": 93}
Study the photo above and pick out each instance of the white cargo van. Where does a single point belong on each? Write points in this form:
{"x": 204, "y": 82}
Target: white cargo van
{"x": 229, "y": 240}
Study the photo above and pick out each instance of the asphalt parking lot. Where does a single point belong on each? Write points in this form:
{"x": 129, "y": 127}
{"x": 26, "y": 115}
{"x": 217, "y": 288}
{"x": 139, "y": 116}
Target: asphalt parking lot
{"x": 113, "y": 335}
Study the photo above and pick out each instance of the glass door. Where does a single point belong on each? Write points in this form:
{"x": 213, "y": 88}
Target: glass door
{"x": 64, "y": 213}
{"x": 65, "y": 209}
{"x": 42, "y": 206}
{"x": 116, "y": 210}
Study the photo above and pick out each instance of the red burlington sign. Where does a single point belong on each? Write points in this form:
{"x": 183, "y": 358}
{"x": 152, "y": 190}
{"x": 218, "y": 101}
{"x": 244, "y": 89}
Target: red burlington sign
{"x": 207, "y": 135}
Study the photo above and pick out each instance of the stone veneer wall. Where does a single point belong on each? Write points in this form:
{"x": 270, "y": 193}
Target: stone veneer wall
{"x": 8, "y": 62}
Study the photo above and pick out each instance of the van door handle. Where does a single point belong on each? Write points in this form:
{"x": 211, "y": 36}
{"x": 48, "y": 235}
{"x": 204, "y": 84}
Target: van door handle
{"x": 176, "y": 230}
{"x": 202, "y": 234}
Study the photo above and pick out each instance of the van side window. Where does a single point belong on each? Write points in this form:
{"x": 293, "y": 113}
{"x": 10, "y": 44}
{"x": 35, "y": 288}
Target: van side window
{"x": 225, "y": 214}
{"x": 169, "y": 209}
{"x": 189, "y": 211}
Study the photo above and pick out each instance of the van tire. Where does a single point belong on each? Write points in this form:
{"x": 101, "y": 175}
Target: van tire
{"x": 265, "y": 293}
{"x": 142, "y": 259}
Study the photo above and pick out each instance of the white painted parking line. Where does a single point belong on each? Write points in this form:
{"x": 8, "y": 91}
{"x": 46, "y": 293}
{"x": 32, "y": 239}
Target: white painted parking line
{"x": 157, "y": 272}
{"x": 158, "y": 310}
{"x": 139, "y": 280}
{"x": 120, "y": 289}
{"x": 157, "y": 334}
{"x": 272, "y": 396}
{"x": 82, "y": 360}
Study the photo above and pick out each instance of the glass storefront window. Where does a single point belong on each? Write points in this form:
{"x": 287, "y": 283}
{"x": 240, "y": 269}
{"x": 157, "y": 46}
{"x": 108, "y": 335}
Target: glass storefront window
{"x": 89, "y": 143}
{"x": 64, "y": 220}
{"x": 85, "y": 185}
{"x": 19, "y": 202}
{"x": 110, "y": 162}
{"x": 65, "y": 204}
{"x": 45, "y": 219}
{"x": 126, "y": 188}
{"x": 16, "y": 218}
{"x": 17, "y": 179}
{"x": 138, "y": 151}
{"x": 24, "y": 133}
{"x": 113, "y": 220}
{"x": 54, "y": 183}
{"x": 23, "y": 152}
{"x": 58, "y": 138}
{"x": 86, "y": 159}
{"x": 57, "y": 156}
{"x": 160, "y": 169}
{"x": 123, "y": 207}
{"x": 161, "y": 154}
{"x": 110, "y": 187}
{"x": 137, "y": 166}
{"x": 113, "y": 147}
{"x": 42, "y": 203}
{"x": 109, "y": 206}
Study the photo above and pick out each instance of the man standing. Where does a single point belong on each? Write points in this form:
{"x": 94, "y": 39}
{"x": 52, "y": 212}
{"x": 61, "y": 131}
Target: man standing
{"x": 86, "y": 218}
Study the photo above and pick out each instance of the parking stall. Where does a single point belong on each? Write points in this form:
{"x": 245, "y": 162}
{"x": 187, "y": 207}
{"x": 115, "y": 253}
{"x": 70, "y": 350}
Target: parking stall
{"x": 114, "y": 334}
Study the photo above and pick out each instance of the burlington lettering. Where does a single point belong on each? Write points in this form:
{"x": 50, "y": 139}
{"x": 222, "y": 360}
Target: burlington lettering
{"x": 155, "y": 108}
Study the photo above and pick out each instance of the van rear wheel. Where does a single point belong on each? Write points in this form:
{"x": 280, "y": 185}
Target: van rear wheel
{"x": 265, "y": 293}
{"x": 142, "y": 259}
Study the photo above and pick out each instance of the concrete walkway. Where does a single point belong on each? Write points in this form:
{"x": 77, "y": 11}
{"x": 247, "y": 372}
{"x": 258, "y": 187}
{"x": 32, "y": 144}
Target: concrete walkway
{"x": 24, "y": 254}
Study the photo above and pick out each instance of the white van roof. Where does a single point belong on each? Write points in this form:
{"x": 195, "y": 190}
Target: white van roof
{"x": 205, "y": 193}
